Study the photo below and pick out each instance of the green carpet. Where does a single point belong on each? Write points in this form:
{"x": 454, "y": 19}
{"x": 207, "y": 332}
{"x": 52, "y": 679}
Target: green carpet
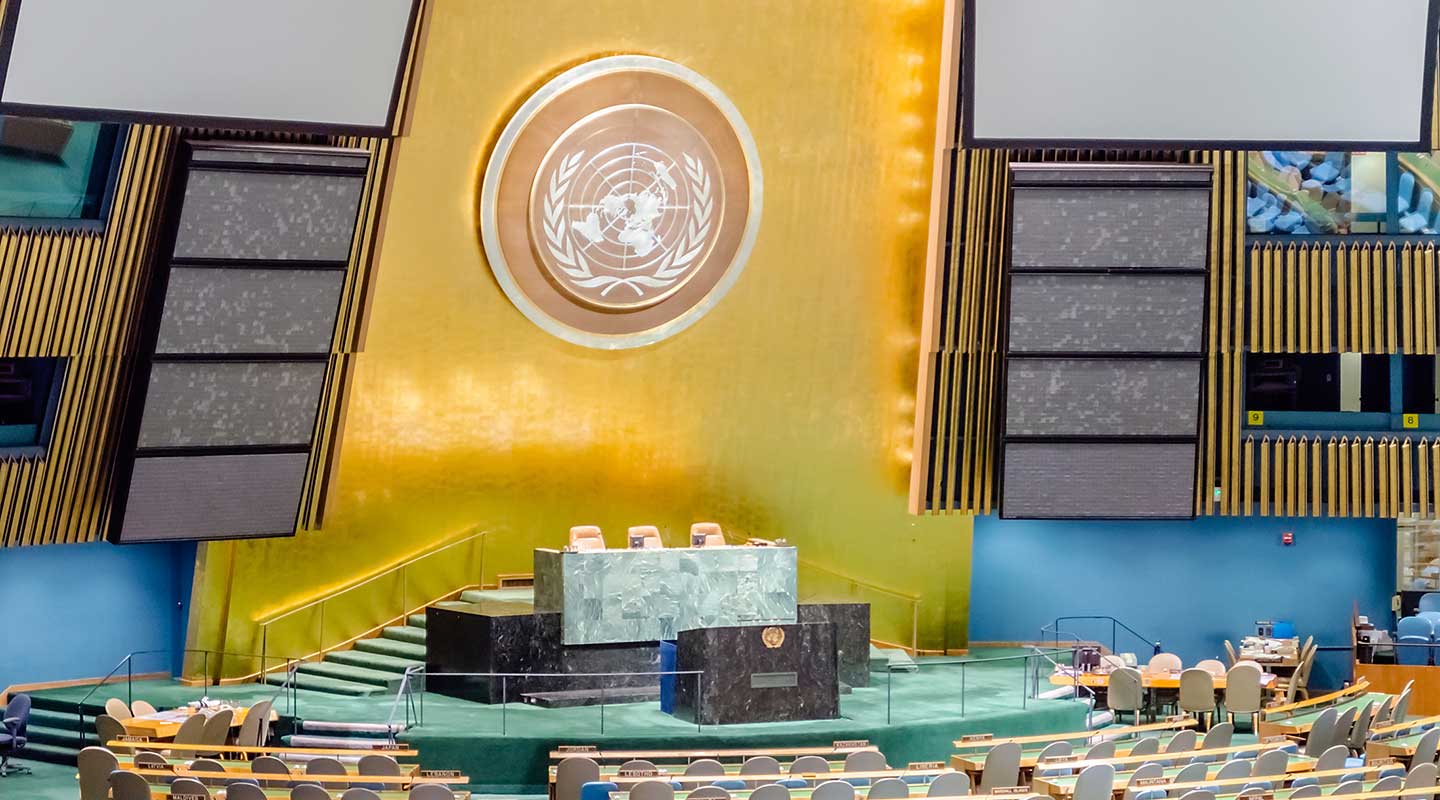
{"x": 910, "y": 716}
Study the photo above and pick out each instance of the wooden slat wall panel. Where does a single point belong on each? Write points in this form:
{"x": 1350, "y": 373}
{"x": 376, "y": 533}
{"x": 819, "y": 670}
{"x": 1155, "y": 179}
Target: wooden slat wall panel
{"x": 75, "y": 294}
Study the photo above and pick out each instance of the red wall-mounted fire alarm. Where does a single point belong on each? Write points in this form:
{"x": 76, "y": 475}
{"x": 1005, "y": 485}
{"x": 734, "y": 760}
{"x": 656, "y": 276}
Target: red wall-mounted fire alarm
{"x": 1287, "y": 538}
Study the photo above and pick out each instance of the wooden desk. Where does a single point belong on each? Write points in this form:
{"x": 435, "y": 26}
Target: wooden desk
{"x": 243, "y": 767}
{"x": 152, "y": 775}
{"x": 975, "y": 762}
{"x": 162, "y": 792}
{"x": 872, "y": 775}
{"x": 1064, "y": 785}
{"x": 165, "y": 724}
{"x": 719, "y": 755}
{"x": 1299, "y": 725}
{"x": 1149, "y": 680}
{"x": 281, "y": 752}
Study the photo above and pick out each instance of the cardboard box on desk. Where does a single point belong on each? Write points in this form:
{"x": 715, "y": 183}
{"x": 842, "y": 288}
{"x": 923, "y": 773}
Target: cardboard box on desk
{"x": 43, "y": 137}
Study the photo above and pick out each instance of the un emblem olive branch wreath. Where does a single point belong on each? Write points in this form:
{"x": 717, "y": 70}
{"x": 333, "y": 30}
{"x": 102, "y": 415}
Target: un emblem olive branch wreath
{"x": 678, "y": 259}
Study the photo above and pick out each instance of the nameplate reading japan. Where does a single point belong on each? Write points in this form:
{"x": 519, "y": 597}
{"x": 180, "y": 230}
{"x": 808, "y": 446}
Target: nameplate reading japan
{"x": 392, "y": 747}
{"x": 578, "y": 748}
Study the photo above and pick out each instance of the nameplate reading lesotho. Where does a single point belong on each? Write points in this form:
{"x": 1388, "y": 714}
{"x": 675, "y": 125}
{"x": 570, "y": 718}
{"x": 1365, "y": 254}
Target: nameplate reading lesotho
{"x": 644, "y": 772}
{"x": 440, "y": 773}
{"x": 918, "y": 765}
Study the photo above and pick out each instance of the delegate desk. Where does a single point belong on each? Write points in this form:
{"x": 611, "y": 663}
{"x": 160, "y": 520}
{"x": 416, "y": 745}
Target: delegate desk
{"x": 1063, "y": 786}
{"x": 161, "y": 791}
{"x": 1168, "y": 679}
{"x": 1298, "y": 724}
{"x": 1398, "y": 740}
{"x": 165, "y": 724}
{"x": 615, "y": 596}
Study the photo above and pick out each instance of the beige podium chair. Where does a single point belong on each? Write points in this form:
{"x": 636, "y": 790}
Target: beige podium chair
{"x": 712, "y": 533}
{"x": 587, "y": 537}
{"x": 649, "y": 538}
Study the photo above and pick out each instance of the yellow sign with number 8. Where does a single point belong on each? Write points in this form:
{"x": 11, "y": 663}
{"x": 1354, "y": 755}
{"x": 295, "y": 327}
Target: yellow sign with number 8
{"x": 1410, "y": 420}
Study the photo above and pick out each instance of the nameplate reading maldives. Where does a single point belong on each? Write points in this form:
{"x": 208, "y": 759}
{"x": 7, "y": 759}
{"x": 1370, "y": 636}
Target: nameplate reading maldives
{"x": 439, "y": 773}
{"x": 1010, "y": 790}
{"x": 190, "y": 796}
{"x": 849, "y": 744}
{"x": 926, "y": 765}
{"x": 1152, "y": 781}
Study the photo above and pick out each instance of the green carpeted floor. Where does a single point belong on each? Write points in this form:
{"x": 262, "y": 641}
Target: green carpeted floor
{"x": 910, "y": 716}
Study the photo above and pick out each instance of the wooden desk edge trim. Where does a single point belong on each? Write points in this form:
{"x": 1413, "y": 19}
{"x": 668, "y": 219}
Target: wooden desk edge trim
{"x": 1355, "y": 688}
{"x": 1188, "y": 722}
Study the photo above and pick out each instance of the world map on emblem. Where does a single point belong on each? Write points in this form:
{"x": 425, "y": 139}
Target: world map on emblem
{"x": 625, "y": 208}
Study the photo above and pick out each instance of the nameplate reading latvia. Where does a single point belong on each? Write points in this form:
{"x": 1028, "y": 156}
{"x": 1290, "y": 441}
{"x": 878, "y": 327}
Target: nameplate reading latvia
{"x": 578, "y": 748}
{"x": 440, "y": 773}
{"x": 849, "y": 744}
{"x": 977, "y": 737}
{"x": 925, "y": 765}
{"x": 1010, "y": 790}
{"x": 774, "y": 680}
{"x": 132, "y": 739}
{"x": 1152, "y": 781}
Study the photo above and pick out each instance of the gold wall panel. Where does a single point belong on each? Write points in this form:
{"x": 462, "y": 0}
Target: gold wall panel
{"x": 75, "y": 293}
{"x": 787, "y": 411}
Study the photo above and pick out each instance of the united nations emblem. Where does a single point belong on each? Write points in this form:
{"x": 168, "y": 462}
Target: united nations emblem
{"x": 773, "y": 637}
{"x": 621, "y": 202}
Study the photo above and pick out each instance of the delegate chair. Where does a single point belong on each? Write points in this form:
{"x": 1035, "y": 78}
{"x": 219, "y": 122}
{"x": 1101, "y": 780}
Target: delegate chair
{"x": 1147, "y": 746}
{"x": 829, "y": 790}
{"x": 1401, "y": 711}
{"x": 585, "y": 538}
{"x": 310, "y": 791}
{"x": 255, "y": 730}
{"x": 108, "y": 729}
{"x": 710, "y": 767}
{"x": 149, "y": 760}
{"x": 1413, "y": 635}
{"x": 866, "y": 761}
{"x": 1200, "y": 794}
{"x": 1270, "y": 763}
{"x": 1145, "y": 772}
{"x": 116, "y": 708}
{"x": 1218, "y": 736}
{"x": 1330, "y": 760}
{"x": 1164, "y": 662}
{"x": 950, "y": 784}
{"x": 706, "y": 534}
{"x": 1002, "y": 767}
{"x": 1422, "y": 776}
{"x": 140, "y": 708}
{"x": 1361, "y": 730}
{"x": 1182, "y": 742}
{"x": 770, "y": 791}
{"x": 270, "y": 765}
{"x": 1210, "y": 665}
{"x": 1344, "y": 723}
{"x": 1049, "y": 751}
{"x": 717, "y": 793}
{"x": 128, "y": 786}
{"x": 888, "y": 789}
{"x": 652, "y": 790}
{"x": 1322, "y": 735}
{"x": 95, "y": 765}
{"x": 1096, "y": 782}
{"x": 325, "y": 765}
{"x": 809, "y": 765}
{"x": 1230, "y": 653}
{"x": 1309, "y": 790}
{"x": 244, "y": 791}
{"x": 1426, "y": 747}
{"x": 1191, "y": 773}
{"x": 1242, "y": 691}
{"x": 1127, "y": 693}
{"x": 760, "y": 765}
{"x": 1239, "y": 768}
{"x": 431, "y": 791}
{"x": 644, "y": 537}
{"x": 1100, "y": 750}
{"x": 359, "y": 793}
{"x": 1430, "y": 601}
{"x": 189, "y": 787}
{"x": 1197, "y": 693}
{"x": 216, "y": 730}
{"x": 13, "y": 733}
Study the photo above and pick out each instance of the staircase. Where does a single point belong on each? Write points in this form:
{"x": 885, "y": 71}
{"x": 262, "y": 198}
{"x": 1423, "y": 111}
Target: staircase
{"x": 375, "y": 666}
{"x": 54, "y": 730}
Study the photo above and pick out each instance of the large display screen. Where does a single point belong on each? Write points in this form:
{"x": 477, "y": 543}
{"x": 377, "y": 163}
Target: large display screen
{"x": 1280, "y": 73}
{"x": 328, "y": 65}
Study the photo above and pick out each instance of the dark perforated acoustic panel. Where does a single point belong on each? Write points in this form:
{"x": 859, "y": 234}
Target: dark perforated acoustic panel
{"x": 1104, "y": 341}
{"x": 1112, "y": 480}
{"x": 237, "y": 337}
{"x": 213, "y": 497}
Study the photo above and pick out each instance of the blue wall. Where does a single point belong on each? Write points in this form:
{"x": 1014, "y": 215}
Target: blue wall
{"x": 73, "y": 611}
{"x": 1189, "y": 584}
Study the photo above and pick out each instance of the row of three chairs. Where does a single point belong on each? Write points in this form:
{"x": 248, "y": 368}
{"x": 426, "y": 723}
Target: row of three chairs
{"x": 202, "y": 729}
{"x": 1243, "y": 692}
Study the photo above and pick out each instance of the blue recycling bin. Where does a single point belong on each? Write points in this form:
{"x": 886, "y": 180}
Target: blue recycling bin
{"x": 667, "y": 682}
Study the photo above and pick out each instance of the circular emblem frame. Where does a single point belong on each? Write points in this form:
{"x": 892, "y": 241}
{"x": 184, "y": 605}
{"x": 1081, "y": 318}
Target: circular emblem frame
{"x": 773, "y": 637}
{"x": 621, "y": 202}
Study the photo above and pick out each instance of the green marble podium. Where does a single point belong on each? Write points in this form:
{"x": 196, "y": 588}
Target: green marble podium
{"x": 613, "y": 596}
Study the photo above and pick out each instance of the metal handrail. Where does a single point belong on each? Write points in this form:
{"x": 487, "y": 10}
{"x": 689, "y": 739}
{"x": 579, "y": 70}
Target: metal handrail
{"x": 366, "y": 581}
{"x": 963, "y": 662}
{"x": 1094, "y": 700}
{"x": 1115, "y": 624}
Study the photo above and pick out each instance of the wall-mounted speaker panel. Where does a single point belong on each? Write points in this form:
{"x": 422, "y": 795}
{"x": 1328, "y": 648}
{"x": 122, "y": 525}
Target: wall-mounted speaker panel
{"x": 1143, "y": 228}
{"x": 1115, "y": 480}
{"x": 1106, "y": 313}
{"x": 249, "y": 310}
{"x": 213, "y": 497}
{"x": 1101, "y": 397}
{"x": 214, "y": 404}
{"x": 231, "y": 215}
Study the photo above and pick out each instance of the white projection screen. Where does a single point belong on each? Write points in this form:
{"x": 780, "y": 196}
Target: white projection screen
{"x": 1336, "y": 74}
{"x": 326, "y": 66}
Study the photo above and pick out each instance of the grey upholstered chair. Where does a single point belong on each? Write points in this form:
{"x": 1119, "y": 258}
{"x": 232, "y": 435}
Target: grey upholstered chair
{"x": 809, "y": 765}
{"x": 770, "y": 791}
{"x": 108, "y": 729}
{"x": 1199, "y": 794}
{"x": 1197, "y": 692}
{"x": 1344, "y": 724}
{"x": 116, "y": 708}
{"x": 1322, "y": 733}
{"x": 270, "y": 765}
{"x": 1218, "y": 736}
{"x": 1182, "y": 742}
{"x": 1239, "y": 768}
{"x": 1402, "y": 704}
{"x": 949, "y": 784}
{"x": 761, "y": 765}
{"x": 1002, "y": 767}
{"x": 1148, "y": 746}
{"x": 310, "y": 791}
{"x": 1242, "y": 691}
{"x": 652, "y": 790}
{"x": 1271, "y": 763}
{"x": 1422, "y": 776}
{"x": 1147, "y": 771}
{"x": 189, "y": 786}
{"x": 1095, "y": 782}
{"x": 1426, "y": 747}
{"x": 95, "y": 765}
{"x": 359, "y": 793}
{"x": 888, "y": 789}
{"x": 572, "y": 773}
{"x": 244, "y": 791}
{"x": 709, "y": 767}
{"x": 1361, "y": 730}
{"x": 431, "y": 791}
{"x": 833, "y": 790}
{"x": 1127, "y": 692}
{"x": 865, "y": 761}
{"x": 192, "y": 730}
{"x": 1052, "y": 750}
{"x": 711, "y": 793}
{"x": 128, "y": 786}
{"x": 1190, "y": 773}
{"x": 255, "y": 729}
{"x": 1332, "y": 759}
{"x": 140, "y": 708}
{"x": 1309, "y": 790}
{"x": 1100, "y": 750}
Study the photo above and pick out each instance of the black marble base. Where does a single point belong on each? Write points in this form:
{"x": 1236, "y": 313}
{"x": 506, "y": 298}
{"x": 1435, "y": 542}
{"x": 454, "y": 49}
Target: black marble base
{"x": 493, "y": 636}
{"x": 758, "y": 673}
{"x": 852, "y": 636}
